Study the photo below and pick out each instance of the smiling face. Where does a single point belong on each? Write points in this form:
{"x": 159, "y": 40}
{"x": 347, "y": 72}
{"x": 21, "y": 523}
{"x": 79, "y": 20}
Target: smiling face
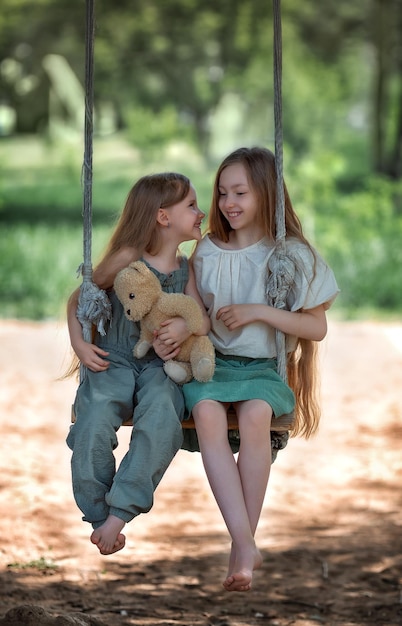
{"x": 186, "y": 218}
{"x": 237, "y": 201}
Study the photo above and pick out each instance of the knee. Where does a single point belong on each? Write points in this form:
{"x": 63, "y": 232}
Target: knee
{"x": 255, "y": 418}
{"x": 207, "y": 410}
{"x": 93, "y": 429}
{"x": 161, "y": 397}
{"x": 162, "y": 414}
{"x": 210, "y": 420}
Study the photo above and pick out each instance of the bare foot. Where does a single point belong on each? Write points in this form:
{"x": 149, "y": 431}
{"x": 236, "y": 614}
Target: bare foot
{"x": 239, "y": 581}
{"x": 108, "y": 537}
{"x": 240, "y": 573}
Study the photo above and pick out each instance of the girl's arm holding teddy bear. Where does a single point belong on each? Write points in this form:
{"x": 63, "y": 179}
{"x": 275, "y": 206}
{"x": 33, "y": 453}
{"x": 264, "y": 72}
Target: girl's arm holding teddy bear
{"x": 174, "y": 331}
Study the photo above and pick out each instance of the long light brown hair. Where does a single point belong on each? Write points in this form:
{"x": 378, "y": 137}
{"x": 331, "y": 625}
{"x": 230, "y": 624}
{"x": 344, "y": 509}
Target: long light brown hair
{"x": 259, "y": 164}
{"x": 137, "y": 225}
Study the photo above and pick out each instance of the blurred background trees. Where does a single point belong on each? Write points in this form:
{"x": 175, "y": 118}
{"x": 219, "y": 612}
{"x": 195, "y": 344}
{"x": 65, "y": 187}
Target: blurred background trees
{"x": 197, "y": 75}
{"x": 178, "y": 59}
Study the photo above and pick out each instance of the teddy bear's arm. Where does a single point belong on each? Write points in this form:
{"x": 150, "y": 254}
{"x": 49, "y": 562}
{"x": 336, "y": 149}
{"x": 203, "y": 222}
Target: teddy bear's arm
{"x": 144, "y": 342}
{"x": 141, "y": 348}
{"x": 180, "y": 305}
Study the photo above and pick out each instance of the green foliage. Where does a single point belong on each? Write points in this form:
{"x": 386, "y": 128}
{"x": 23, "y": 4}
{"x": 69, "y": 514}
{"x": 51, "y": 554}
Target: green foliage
{"x": 38, "y": 269}
{"x": 358, "y": 231}
{"x": 354, "y": 220}
{"x": 151, "y": 131}
{"x": 165, "y": 62}
{"x": 186, "y": 78}
{"x": 367, "y": 252}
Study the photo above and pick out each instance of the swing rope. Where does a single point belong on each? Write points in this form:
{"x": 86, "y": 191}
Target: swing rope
{"x": 94, "y": 307}
{"x": 281, "y": 268}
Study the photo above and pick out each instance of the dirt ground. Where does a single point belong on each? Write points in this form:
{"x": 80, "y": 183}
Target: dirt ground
{"x": 331, "y": 529}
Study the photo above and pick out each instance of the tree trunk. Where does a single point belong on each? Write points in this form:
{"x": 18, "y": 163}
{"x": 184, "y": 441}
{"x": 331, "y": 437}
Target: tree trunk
{"x": 387, "y": 109}
{"x": 380, "y": 84}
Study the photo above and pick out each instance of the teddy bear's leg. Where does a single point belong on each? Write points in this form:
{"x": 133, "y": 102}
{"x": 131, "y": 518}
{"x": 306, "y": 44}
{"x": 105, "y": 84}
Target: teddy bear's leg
{"x": 178, "y": 371}
{"x": 204, "y": 370}
{"x": 202, "y": 359}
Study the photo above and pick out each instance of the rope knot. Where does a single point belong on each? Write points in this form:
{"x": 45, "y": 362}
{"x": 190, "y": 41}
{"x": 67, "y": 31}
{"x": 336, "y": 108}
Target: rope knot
{"x": 281, "y": 277}
{"x": 94, "y": 307}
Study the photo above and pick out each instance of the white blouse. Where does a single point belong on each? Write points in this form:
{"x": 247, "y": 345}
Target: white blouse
{"x": 238, "y": 276}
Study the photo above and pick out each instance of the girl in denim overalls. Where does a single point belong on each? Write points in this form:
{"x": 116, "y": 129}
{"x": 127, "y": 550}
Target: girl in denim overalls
{"x": 160, "y": 213}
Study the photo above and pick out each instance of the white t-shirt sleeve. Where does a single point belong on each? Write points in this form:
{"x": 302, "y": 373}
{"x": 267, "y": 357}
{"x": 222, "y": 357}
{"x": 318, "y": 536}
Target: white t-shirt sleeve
{"x": 314, "y": 283}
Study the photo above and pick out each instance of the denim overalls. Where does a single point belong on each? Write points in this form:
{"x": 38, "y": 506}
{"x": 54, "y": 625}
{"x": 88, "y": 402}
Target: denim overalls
{"x": 129, "y": 388}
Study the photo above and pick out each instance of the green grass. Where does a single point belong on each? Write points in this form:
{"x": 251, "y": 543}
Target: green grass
{"x": 39, "y": 268}
{"x": 41, "y": 564}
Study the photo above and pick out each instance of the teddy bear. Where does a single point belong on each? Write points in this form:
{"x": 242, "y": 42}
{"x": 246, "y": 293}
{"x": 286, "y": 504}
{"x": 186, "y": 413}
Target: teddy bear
{"x": 143, "y": 300}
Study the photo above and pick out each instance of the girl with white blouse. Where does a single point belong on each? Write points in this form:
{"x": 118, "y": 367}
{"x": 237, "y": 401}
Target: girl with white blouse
{"x": 230, "y": 266}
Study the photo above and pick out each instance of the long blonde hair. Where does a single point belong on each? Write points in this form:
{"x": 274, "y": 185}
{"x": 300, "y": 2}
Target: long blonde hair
{"x": 259, "y": 164}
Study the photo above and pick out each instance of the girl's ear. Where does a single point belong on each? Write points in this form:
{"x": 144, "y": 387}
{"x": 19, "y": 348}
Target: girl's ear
{"x": 162, "y": 217}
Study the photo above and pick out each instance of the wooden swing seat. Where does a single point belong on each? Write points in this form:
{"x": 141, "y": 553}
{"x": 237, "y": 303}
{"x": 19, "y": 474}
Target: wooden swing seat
{"x": 279, "y": 424}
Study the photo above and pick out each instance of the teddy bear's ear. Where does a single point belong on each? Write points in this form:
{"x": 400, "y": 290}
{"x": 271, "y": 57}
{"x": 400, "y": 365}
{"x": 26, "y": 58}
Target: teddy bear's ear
{"x": 139, "y": 267}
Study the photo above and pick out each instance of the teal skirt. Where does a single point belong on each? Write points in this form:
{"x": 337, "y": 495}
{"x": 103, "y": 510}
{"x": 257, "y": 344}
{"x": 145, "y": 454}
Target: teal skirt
{"x": 240, "y": 378}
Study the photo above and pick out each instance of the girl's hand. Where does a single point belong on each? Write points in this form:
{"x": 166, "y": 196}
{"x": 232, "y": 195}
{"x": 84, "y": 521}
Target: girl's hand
{"x": 91, "y": 355}
{"x": 306, "y": 324}
{"x": 173, "y": 332}
{"x": 163, "y": 350}
{"x": 236, "y": 315}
